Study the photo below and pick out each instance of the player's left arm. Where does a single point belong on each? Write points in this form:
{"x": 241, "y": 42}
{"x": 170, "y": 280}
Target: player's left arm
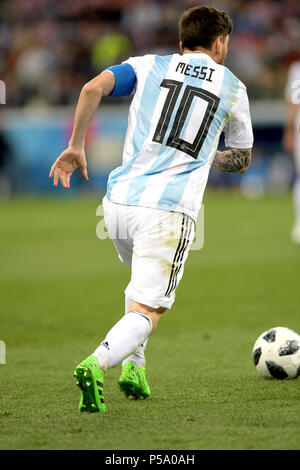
{"x": 233, "y": 160}
{"x": 291, "y": 95}
{"x": 288, "y": 138}
{"x": 238, "y": 137}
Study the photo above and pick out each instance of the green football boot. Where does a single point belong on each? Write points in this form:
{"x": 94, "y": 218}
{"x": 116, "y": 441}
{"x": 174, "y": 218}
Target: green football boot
{"x": 133, "y": 382}
{"x": 90, "y": 381}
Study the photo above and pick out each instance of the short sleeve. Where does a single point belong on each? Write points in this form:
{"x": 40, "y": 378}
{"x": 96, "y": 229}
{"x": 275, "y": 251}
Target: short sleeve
{"x": 293, "y": 80}
{"x": 128, "y": 73}
{"x": 138, "y": 63}
{"x": 238, "y": 129}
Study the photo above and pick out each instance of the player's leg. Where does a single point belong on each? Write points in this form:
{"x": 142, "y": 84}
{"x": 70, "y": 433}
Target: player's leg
{"x": 121, "y": 341}
{"x": 90, "y": 378}
{"x": 138, "y": 356}
{"x": 133, "y": 381}
{"x": 126, "y": 336}
{"x": 121, "y": 225}
{"x": 157, "y": 267}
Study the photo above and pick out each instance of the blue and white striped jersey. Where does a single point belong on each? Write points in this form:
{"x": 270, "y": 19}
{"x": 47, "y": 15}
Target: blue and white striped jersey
{"x": 181, "y": 104}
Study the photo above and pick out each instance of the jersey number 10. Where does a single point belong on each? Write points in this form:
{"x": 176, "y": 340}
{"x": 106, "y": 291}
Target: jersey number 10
{"x": 174, "y": 140}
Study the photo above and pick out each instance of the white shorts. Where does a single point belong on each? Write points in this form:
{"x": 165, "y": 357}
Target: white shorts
{"x": 154, "y": 243}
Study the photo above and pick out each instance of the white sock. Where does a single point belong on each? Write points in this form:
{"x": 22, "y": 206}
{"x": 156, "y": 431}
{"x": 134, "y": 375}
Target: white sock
{"x": 123, "y": 339}
{"x": 138, "y": 357}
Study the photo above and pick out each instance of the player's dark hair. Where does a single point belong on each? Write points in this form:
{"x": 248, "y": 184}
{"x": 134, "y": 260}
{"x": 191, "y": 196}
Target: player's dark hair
{"x": 200, "y": 26}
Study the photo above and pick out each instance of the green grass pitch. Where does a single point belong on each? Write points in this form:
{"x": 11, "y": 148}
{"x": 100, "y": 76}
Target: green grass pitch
{"x": 61, "y": 289}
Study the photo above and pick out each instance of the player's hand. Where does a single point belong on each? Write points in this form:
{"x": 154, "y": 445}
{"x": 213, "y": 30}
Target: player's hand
{"x": 65, "y": 164}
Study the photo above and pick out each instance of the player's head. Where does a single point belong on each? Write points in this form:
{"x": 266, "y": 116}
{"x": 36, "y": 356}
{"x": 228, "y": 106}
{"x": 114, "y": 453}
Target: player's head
{"x": 205, "y": 28}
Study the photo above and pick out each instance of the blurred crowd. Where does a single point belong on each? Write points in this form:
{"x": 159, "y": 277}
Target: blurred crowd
{"x": 50, "y": 48}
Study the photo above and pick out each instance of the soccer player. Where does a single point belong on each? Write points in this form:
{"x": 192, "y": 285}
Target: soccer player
{"x": 291, "y": 137}
{"x": 181, "y": 104}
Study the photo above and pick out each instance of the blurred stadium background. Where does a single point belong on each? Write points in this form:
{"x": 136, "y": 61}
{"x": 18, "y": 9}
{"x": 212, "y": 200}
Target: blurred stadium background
{"x": 50, "y": 48}
{"x": 61, "y": 289}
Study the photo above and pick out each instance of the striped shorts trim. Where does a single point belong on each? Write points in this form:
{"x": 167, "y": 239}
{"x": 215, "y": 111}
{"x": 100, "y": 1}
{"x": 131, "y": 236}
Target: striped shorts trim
{"x": 184, "y": 240}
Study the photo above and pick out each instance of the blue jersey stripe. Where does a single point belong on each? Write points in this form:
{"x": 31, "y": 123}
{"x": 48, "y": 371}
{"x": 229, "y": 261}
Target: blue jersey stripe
{"x": 175, "y": 188}
{"x": 160, "y": 68}
{"x": 165, "y": 156}
{"x": 227, "y": 96}
{"x": 144, "y": 115}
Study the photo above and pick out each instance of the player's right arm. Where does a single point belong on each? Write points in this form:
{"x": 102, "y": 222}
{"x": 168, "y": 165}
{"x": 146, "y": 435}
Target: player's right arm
{"x": 74, "y": 156}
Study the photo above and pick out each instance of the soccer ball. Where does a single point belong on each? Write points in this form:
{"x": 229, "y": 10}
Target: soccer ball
{"x": 276, "y": 353}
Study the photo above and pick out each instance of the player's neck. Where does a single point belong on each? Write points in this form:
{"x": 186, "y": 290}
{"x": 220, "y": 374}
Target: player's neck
{"x": 201, "y": 51}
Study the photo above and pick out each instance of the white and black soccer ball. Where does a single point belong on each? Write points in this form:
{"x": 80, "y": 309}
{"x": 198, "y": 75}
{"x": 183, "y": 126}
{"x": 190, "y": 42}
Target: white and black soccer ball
{"x": 276, "y": 353}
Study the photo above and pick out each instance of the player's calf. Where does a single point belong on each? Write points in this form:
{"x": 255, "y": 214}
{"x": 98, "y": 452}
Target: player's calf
{"x": 150, "y": 312}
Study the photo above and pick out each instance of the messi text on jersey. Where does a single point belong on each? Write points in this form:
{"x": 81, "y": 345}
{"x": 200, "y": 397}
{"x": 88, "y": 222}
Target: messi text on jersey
{"x": 203, "y": 73}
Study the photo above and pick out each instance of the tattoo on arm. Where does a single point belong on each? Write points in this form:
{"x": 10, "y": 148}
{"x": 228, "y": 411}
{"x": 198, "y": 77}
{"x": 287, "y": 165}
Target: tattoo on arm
{"x": 233, "y": 160}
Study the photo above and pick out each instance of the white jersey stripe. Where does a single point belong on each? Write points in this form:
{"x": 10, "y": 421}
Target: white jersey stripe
{"x": 146, "y": 167}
